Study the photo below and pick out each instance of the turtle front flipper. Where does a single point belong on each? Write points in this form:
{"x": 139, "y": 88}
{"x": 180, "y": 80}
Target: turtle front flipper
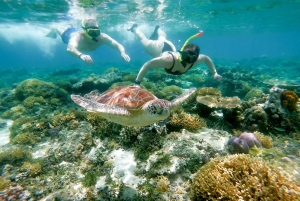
{"x": 98, "y": 107}
{"x": 180, "y": 99}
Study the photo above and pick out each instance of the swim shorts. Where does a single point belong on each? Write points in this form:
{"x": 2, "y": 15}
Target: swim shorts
{"x": 167, "y": 48}
{"x": 65, "y": 36}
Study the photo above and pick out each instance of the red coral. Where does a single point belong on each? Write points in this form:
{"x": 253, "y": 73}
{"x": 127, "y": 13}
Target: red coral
{"x": 289, "y": 100}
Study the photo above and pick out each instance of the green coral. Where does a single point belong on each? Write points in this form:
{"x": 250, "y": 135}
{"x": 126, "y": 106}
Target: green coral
{"x": 163, "y": 161}
{"x": 38, "y": 88}
{"x": 14, "y": 156}
{"x": 32, "y": 100}
{"x": 129, "y": 77}
{"x": 196, "y": 79}
{"x": 171, "y": 92}
{"x": 253, "y": 93}
{"x": 90, "y": 179}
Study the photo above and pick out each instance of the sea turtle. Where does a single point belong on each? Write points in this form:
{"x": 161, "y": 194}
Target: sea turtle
{"x": 129, "y": 105}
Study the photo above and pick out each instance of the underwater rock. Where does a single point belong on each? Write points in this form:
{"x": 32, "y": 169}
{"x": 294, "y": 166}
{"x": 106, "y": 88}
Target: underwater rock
{"x": 15, "y": 193}
{"x": 101, "y": 82}
{"x": 210, "y": 103}
{"x": 215, "y": 102}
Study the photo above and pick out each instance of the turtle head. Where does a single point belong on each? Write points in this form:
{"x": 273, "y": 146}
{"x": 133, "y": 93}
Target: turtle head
{"x": 157, "y": 109}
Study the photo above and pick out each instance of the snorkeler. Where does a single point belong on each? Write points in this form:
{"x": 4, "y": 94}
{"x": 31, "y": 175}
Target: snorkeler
{"x": 87, "y": 40}
{"x": 156, "y": 44}
{"x": 175, "y": 63}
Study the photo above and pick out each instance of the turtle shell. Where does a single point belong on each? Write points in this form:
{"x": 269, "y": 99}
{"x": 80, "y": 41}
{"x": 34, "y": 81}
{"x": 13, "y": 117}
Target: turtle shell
{"x": 129, "y": 97}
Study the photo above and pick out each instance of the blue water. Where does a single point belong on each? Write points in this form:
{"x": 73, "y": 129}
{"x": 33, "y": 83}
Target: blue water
{"x": 233, "y": 30}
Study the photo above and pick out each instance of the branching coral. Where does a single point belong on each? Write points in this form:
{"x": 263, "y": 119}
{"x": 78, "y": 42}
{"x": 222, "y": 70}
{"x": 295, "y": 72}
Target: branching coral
{"x": 289, "y": 100}
{"x": 241, "y": 177}
{"x": 191, "y": 122}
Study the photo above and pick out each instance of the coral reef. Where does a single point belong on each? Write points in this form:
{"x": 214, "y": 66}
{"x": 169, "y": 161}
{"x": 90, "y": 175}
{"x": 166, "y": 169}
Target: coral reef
{"x": 289, "y": 100}
{"x": 241, "y": 177}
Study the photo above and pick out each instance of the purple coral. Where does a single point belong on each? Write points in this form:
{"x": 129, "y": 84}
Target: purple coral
{"x": 243, "y": 143}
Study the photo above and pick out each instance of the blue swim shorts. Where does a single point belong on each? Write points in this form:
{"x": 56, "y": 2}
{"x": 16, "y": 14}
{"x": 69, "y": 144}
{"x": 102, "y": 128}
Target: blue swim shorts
{"x": 65, "y": 36}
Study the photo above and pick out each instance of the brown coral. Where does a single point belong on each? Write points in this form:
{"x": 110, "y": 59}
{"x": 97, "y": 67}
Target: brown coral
{"x": 289, "y": 100}
{"x": 241, "y": 177}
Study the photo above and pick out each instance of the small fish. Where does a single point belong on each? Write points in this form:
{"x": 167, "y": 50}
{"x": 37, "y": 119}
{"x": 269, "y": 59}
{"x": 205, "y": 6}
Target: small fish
{"x": 279, "y": 129}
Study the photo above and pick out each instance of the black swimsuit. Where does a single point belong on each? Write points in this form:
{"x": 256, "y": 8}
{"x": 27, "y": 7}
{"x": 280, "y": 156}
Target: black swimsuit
{"x": 176, "y": 72}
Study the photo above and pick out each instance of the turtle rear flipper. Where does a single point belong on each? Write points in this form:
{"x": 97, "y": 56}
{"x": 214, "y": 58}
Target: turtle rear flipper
{"x": 98, "y": 107}
{"x": 180, "y": 99}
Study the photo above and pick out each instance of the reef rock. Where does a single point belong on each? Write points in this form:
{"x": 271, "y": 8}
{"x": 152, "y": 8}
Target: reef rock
{"x": 216, "y": 102}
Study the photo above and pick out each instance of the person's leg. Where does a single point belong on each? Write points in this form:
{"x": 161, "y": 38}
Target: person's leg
{"x": 152, "y": 47}
{"x": 65, "y": 36}
{"x": 155, "y": 34}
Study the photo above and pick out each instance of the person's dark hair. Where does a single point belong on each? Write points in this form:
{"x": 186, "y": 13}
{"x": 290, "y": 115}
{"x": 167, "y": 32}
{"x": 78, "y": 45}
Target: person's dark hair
{"x": 191, "y": 52}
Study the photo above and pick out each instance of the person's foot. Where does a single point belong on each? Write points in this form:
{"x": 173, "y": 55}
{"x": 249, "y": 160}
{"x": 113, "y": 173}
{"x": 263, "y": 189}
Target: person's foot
{"x": 52, "y": 34}
{"x": 154, "y": 35}
{"x": 132, "y": 28}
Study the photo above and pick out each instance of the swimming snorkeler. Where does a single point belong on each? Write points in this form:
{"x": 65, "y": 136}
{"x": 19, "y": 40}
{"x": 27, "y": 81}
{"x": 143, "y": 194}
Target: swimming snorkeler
{"x": 156, "y": 44}
{"x": 87, "y": 40}
{"x": 175, "y": 63}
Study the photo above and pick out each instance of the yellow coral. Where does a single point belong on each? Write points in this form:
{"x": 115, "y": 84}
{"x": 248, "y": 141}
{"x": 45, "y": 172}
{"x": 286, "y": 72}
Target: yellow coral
{"x": 190, "y": 122}
{"x": 209, "y": 91}
{"x": 241, "y": 177}
{"x": 162, "y": 184}
{"x": 265, "y": 141}
{"x": 4, "y": 183}
{"x": 32, "y": 168}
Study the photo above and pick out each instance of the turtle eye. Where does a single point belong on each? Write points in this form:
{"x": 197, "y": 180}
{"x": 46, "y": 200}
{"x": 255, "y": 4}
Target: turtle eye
{"x": 157, "y": 108}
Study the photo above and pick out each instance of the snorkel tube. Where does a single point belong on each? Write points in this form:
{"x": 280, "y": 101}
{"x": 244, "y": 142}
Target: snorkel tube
{"x": 191, "y": 38}
{"x": 185, "y": 44}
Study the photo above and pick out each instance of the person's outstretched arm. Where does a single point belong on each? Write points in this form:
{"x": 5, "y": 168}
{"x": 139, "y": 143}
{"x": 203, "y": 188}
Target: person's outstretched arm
{"x": 73, "y": 50}
{"x": 208, "y": 62}
{"x": 114, "y": 44}
{"x": 159, "y": 62}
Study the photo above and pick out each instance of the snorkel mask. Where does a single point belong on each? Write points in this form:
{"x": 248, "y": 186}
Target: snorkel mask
{"x": 188, "y": 56}
{"x": 91, "y": 32}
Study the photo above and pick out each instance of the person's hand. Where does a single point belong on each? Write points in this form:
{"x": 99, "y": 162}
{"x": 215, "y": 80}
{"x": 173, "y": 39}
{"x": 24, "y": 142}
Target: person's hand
{"x": 217, "y": 77}
{"x": 125, "y": 57}
{"x": 87, "y": 59}
{"x": 137, "y": 84}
